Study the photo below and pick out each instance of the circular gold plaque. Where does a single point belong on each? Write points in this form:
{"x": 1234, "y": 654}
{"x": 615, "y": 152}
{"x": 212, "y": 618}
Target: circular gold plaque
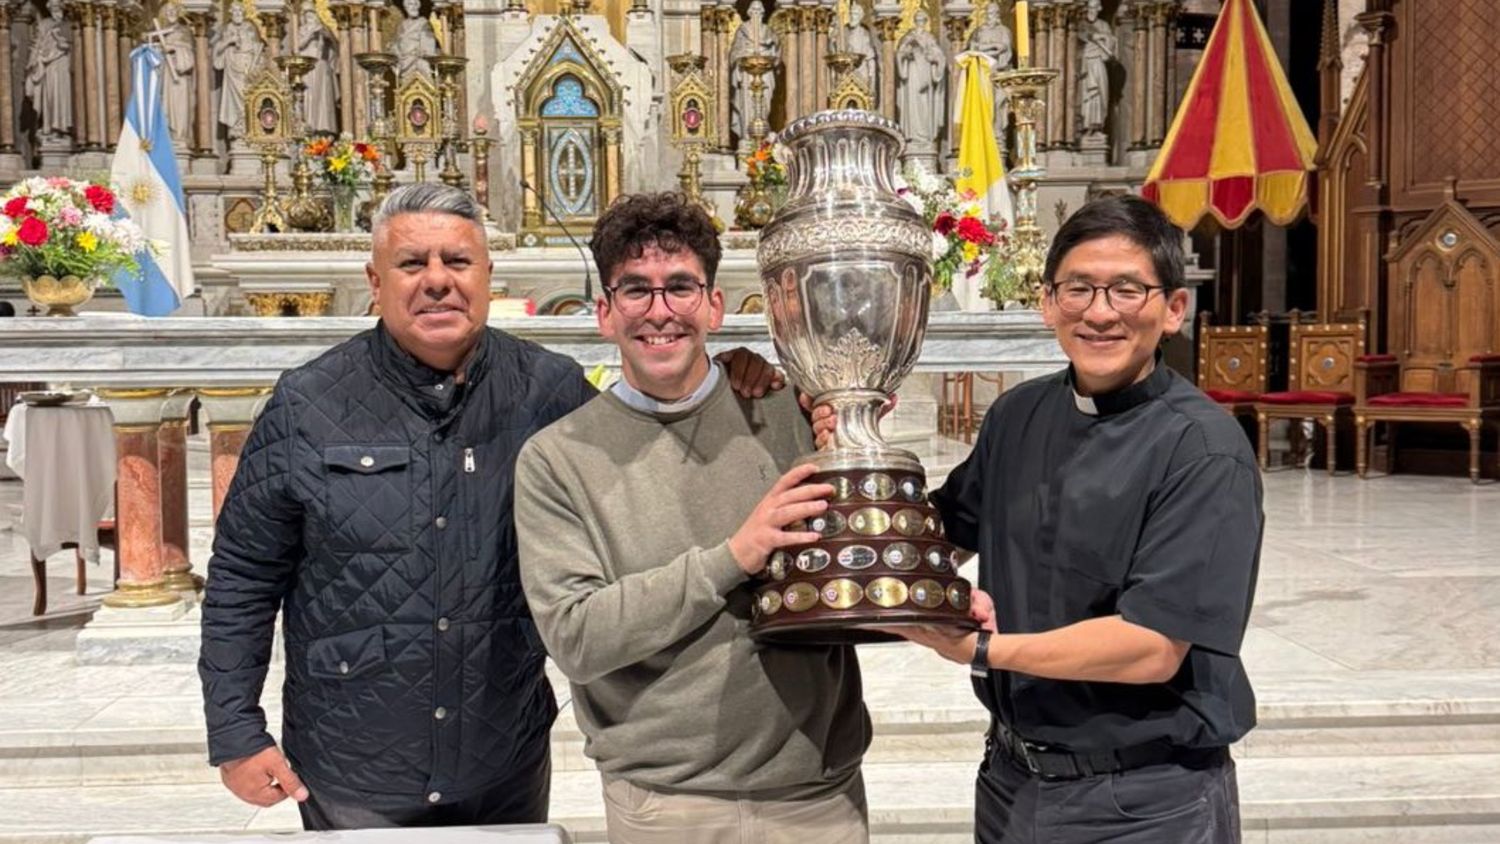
{"x": 800, "y": 597}
{"x": 842, "y": 594}
{"x": 781, "y": 561}
{"x": 886, "y": 592}
{"x": 908, "y": 522}
{"x": 843, "y": 488}
{"x": 813, "y": 560}
{"x": 901, "y": 556}
{"x": 857, "y": 557}
{"x": 958, "y": 596}
{"x": 770, "y": 602}
{"x": 877, "y": 486}
{"x": 871, "y": 521}
{"x": 927, "y": 594}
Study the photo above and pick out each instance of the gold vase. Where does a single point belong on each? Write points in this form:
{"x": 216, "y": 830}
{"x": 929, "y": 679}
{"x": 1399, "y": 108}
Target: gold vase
{"x": 59, "y": 295}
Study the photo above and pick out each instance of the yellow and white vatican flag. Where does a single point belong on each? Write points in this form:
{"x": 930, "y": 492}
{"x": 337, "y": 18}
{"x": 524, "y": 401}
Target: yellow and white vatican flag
{"x": 145, "y": 175}
{"x": 979, "y": 165}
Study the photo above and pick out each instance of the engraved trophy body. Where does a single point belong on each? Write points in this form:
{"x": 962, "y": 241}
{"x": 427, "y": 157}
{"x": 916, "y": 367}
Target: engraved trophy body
{"x": 846, "y": 265}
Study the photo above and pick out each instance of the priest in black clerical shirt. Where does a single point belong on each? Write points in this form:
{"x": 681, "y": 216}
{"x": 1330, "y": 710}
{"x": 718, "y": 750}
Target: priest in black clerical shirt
{"x": 1117, "y": 515}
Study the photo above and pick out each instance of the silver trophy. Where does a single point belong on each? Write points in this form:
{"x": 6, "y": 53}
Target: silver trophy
{"x": 847, "y": 269}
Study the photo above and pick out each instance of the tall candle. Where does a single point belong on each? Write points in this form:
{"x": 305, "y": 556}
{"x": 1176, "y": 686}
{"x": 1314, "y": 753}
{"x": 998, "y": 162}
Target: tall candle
{"x": 1023, "y": 34}
{"x": 754, "y": 34}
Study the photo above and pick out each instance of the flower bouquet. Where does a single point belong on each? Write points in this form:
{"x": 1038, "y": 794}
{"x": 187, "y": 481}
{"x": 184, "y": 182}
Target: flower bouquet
{"x": 59, "y": 236}
{"x": 766, "y": 191}
{"x": 343, "y": 164}
{"x": 961, "y": 239}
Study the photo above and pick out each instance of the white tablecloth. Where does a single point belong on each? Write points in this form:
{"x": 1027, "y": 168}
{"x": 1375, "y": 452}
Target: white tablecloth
{"x": 66, "y": 459}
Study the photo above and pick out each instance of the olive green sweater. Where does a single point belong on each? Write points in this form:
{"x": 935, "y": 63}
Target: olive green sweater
{"x": 624, "y": 519}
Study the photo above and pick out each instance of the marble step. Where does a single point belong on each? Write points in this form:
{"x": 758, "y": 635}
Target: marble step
{"x": 1417, "y": 799}
{"x": 160, "y": 739}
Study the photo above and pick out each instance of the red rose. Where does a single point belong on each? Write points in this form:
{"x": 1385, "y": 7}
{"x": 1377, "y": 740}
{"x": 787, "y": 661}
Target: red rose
{"x": 33, "y": 232}
{"x": 944, "y": 224}
{"x": 100, "y": 197}
{"x": 17, "y": 207}
{"x": 973, "y": 230}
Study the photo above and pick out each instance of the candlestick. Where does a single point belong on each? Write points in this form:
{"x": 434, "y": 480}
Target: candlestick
{"x": 1023, "y": 34}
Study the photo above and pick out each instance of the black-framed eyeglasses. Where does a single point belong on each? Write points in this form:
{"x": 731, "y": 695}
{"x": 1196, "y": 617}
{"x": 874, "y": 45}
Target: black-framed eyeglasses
{"x": 681, "y": 296}
{"x": 1123, "y": 297}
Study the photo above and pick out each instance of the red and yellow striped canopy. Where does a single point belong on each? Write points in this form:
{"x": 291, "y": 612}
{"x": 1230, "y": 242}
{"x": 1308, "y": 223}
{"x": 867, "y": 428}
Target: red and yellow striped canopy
{"x": 1239, "y": 141}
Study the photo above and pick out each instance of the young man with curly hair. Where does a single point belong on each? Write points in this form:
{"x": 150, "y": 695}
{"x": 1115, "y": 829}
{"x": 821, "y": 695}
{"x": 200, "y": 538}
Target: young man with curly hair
{"x": 642, "y": 516}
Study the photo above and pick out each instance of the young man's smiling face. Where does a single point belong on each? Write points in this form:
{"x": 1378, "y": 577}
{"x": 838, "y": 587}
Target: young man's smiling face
{"x": 659, "y": 309}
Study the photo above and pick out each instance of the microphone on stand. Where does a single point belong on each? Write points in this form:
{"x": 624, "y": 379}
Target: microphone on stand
{"x": 588, "y": 275}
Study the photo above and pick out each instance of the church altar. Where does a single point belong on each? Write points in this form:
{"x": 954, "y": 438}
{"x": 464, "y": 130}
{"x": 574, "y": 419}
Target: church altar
{"x": 115, "y": 351}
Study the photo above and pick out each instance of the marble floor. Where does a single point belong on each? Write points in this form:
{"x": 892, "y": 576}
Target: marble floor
{"x": 1372, "y": 648}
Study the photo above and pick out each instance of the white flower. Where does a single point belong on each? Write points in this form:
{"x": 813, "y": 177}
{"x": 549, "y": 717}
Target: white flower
{"x": 939, "y": 246}
{"x": 34, "y": 186}
{"x": 915, "y": 201}
{"x": 99, "y": 224}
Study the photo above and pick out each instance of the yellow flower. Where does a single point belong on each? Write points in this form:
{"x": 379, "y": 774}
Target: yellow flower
{"x": 88, "y": 241}
{"x": 10, "y": 238}
{"x": 971, "y": 251}
{"x": 338, "y": 164}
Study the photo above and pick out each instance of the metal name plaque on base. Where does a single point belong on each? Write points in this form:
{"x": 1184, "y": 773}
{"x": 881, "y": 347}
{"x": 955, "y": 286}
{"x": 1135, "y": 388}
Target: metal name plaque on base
{"x": 846, "y": 265}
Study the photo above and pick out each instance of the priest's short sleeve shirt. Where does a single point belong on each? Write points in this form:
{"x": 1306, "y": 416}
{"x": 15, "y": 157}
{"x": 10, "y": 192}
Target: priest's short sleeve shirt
{"x": 1145, "y": 503}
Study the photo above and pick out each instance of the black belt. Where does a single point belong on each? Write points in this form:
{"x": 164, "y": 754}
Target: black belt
{"x": 1057, "y": 764}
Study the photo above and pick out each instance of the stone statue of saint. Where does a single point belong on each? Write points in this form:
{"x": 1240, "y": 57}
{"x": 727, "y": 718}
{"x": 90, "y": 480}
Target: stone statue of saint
{"x": 754, "y": 37}
{"x": 49, "y": 75}
{"x": 176, "y": 45}
{"x": 857, "y": 39}
{"x": 320, "y": 100}
{"x": 414, "y": 41}
{"x": 920, "y": 97}
{"x": 1099, "y": 44}
{"x": 993, "y": 38}
{"x": 238, "y": 52}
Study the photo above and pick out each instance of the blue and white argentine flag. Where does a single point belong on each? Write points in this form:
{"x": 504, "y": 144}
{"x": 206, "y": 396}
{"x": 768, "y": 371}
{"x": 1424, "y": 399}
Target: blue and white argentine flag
{"x": 150, "y": 194}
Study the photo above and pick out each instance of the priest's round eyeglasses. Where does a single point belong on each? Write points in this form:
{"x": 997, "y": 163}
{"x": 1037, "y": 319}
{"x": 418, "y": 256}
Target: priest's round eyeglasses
{"x": 1123, "y": 297}
{"x": 682, "y": 297}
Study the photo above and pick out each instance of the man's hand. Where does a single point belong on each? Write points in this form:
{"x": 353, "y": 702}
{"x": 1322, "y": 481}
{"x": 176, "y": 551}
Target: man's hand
{"x": 982, "y": 609}
{"x": 950, "y": 643}
{"x": 263, "y": 779}
{"x": 750, "y": 375}
{"x": 787, "y": 502}
{"x": 823, "y": 418}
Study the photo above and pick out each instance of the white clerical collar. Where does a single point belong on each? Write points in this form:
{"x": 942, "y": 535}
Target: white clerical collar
{"x": 640, "y": 401}
{"x": 1085, "y": 404}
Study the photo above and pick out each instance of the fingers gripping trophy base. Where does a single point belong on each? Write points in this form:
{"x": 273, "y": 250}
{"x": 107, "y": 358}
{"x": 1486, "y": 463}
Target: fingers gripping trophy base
{"x": 883, "y": 562}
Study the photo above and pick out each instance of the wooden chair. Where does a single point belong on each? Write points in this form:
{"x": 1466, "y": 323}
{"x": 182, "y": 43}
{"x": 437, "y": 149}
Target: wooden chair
{"x": 1320, "y": 384}
{"x": 108, "y": 538}
{"x": 1232, "y": 364}
{"x": 1468, "y": 396}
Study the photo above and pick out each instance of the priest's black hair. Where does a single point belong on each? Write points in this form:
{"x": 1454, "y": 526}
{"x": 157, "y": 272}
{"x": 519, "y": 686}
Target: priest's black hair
{"x": 1129, "y": 216}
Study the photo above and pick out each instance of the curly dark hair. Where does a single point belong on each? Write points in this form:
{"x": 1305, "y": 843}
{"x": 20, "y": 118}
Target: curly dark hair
{"x": 669, "y": 221}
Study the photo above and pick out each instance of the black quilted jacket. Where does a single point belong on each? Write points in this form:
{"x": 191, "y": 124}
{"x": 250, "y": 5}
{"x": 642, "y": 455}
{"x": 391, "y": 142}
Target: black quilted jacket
{"x": 372, "y": 505}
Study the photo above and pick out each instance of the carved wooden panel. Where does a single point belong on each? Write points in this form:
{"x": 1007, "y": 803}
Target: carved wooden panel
{"x": 1322, "y": 356}
{"x": 1232, "y": 357}
{"x": 1350, "y": 264}
{"x": 1445, "y": 275}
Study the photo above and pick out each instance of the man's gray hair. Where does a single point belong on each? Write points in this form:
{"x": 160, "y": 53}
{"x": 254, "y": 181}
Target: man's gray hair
{"x": 427, "y": 198}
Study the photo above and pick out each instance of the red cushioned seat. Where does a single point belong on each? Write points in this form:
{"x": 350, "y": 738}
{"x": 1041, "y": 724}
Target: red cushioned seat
{"x": 1376, "y": 358}
{"x": 1420, "y": 400}
{"x": 1231, "y": 396}
{"x": 1485, "y": 359}
{"x": 1308, "y": 397}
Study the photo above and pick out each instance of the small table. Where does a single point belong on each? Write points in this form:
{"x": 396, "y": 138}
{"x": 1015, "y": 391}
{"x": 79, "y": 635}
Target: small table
{"x": 66, "y": 458}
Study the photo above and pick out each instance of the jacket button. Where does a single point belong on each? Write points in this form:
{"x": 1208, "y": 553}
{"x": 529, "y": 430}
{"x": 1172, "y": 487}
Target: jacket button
{"x": 441, "y": 522}
{"x": 440, "y": 713}
{"x": 442, "y": 624}
{"x": 343, "y": 667}
{"x": 367, "y": 461}
{"x": 437, "y": 437}
{"x": 434, "y": 797}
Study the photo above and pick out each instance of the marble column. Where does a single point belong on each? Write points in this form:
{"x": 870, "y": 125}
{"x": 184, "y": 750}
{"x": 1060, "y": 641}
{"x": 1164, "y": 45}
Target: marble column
{"x": 956, "y": 27}
{"x": 824, "y": 75}
{"x": 1138, "y": 81}
{"x": 203, "y": 116}
{"x": 93, "y": 108}
{"x": 784, "y": 24}
{"x": 885, "y": 29}
{"x": 230, "y": 412}
{"x": 113, "y": 108}
{"x": 347, "y": 91}
{"x": 1156, "y": 94}
{"x": 373, "y": 37}
{"x": 7, "y": 94}
{"x": 724, "y": 86}
{"x": 138, "y": 520}
{"x": 75, "y": 62}
{"x": 809, "y": 61}
{"x": 1067, "y": 91}
{"x": 1045, "y": 18}
{"x": 359, "y": 43}
{"x": 172, "y": 446}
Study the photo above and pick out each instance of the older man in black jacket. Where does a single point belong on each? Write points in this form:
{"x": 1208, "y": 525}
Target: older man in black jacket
{"x": 372, "y": 506}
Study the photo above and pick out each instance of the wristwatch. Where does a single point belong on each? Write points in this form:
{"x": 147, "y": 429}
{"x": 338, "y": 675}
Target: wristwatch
{"x": 979, "y": 664}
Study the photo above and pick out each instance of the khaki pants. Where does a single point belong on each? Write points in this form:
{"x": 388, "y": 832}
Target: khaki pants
{"x": 635, "y": 815}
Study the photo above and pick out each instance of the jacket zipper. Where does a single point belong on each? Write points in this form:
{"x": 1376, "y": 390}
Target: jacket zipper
{"x": 469, "y": 461}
